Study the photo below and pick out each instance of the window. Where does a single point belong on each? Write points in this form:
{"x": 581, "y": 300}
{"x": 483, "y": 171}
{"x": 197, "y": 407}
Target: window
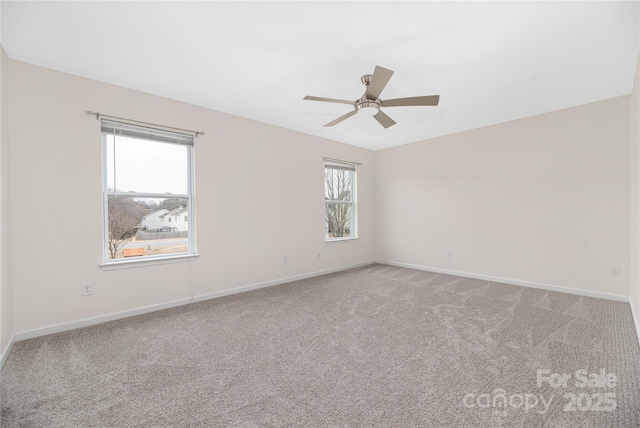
{"x": 148, "y": 178}
{"x": 340, "y": 200}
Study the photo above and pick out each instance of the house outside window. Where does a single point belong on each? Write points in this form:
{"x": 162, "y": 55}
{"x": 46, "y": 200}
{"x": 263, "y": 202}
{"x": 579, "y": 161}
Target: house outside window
{"x": 340, "y": 201}
{"x": 148, "y": 178}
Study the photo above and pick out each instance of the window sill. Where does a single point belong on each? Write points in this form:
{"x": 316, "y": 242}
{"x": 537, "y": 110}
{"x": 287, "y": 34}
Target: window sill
{"x": 335, "y": 240}
{"x": 147, "y": 261}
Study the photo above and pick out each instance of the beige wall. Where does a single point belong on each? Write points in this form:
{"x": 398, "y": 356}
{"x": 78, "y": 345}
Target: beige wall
{"x": 634, "y": 292}
{"x": 259, "y": 197}
{"x": 543, "y": 199}
{"x": 6, "y": 297}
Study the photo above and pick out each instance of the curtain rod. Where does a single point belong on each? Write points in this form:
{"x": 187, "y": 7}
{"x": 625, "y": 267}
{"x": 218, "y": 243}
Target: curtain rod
{"x": 343, "y": 161}
{"x": 98, "y": 115}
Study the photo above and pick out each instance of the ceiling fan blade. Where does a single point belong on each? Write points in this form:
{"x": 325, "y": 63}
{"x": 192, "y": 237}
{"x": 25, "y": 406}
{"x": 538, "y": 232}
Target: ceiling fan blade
{"x": 327, "y": 100}
{"x": 341, "y": 118}
{"x": 379, "y": 80}
{"x": 429, "y": 100}
{"x": 384, "y": 120}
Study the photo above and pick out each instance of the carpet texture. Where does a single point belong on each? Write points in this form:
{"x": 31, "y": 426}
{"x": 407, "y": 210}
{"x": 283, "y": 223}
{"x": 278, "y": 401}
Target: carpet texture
{"x": 376, "y": 346}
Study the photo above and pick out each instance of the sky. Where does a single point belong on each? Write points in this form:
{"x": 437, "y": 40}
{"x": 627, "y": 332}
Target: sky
{"x": 145, "y": 166}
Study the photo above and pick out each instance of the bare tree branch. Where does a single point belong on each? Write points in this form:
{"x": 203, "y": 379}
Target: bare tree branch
{"x": 124, "y": 220}
{"x": 338, "y": 187}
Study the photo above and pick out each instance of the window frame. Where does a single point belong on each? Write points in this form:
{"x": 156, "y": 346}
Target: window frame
{"x": 353, "y": 202}
{"x": 191, "y": 253}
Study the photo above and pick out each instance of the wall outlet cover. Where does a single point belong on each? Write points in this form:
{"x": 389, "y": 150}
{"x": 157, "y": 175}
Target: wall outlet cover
{"x": 86, "y": 289}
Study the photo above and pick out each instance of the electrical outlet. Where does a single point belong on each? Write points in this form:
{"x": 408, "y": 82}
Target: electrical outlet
{"x": 285, "y": 260}
{"x": 448, "y": 254}
{"x": 614, "y": 271}
{"x": 86, "y": 289}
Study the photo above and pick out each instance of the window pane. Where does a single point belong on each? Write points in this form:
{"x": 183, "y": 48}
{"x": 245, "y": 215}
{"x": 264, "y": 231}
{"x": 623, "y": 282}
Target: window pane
{"x": 147, "y": 226}
{"x": 146, "y": 166}
{"x": 338, "y": 218}
{"x": 338, "y": 184}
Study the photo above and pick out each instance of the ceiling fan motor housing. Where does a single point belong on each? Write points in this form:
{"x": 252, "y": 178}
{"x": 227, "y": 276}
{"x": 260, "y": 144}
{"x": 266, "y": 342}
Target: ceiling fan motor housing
{"x": 364, "y": 102}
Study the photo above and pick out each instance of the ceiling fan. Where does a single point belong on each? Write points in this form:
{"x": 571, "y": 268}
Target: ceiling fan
{"x": 370, "y": 101}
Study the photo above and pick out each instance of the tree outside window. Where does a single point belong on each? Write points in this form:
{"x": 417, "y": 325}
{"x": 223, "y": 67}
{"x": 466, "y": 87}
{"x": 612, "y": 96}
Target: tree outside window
{"x": 340, "y": 213}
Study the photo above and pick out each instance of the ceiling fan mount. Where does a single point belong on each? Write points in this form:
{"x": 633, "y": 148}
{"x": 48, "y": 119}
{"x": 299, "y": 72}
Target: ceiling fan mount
{"x": 366, "y": 79}
{"x": 370, "y": 101}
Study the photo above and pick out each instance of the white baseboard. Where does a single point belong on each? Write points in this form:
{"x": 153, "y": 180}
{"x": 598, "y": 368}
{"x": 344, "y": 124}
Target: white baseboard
{"x": 5, "y": 352}
{"x": 85, "y": 322}
{"x": 250, "y": 287}
{"x": 636, "y": 321}
{"x": 549, "y": 287}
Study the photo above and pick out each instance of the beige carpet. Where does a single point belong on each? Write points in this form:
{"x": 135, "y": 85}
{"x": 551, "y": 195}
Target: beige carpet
{"x": 377, "y": 346}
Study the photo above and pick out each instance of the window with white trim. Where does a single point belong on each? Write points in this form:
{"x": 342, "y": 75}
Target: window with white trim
{"x": 147, "y": 180}
{"x": 340, "y": 201}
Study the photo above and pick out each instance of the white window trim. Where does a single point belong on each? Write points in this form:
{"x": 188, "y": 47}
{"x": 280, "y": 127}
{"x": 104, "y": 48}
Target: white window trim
{"x": 354, "y": 203}
{"x": 336, "y": 240}
{"x": 191, "y": 254}
{"x": 148, "y": 261}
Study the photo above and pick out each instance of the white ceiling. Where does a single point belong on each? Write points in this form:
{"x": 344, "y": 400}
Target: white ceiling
{"x": 490, "y": 62}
